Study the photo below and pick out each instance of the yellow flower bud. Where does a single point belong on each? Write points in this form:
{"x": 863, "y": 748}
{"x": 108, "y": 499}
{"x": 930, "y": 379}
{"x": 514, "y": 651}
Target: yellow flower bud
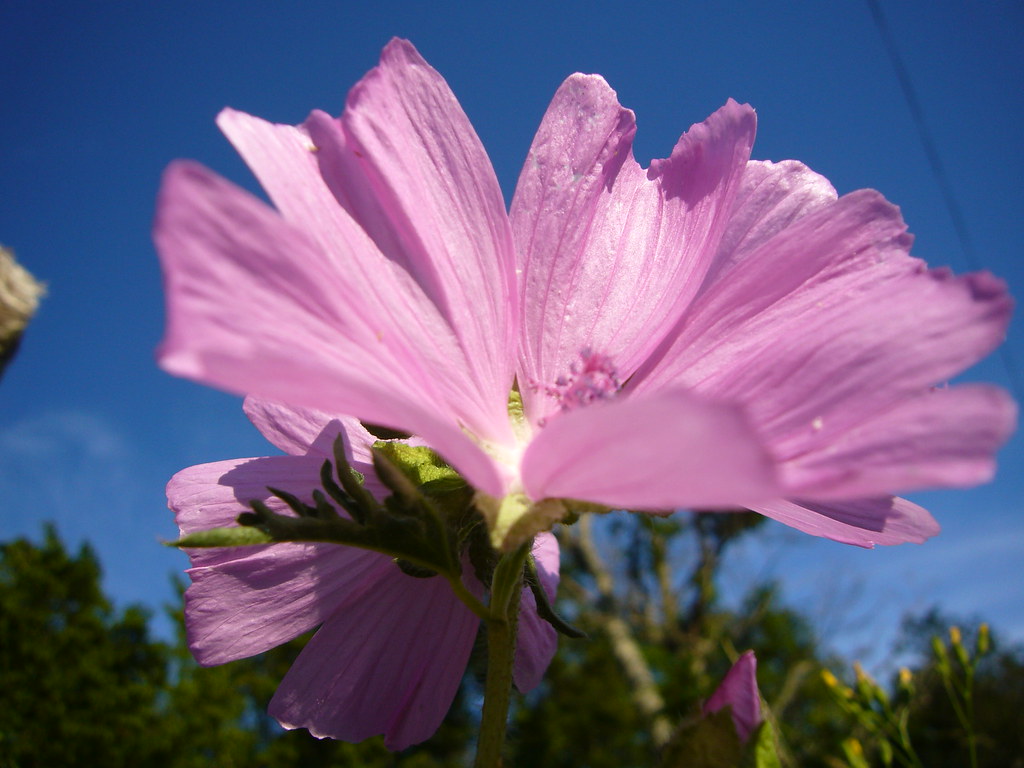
{"x": 984, "y": 639}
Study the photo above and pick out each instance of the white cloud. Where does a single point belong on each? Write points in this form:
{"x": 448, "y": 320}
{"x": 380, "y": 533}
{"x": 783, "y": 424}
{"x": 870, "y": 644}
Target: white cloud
{"x": 56, "y": 464}
{"x": 82, "y": 471}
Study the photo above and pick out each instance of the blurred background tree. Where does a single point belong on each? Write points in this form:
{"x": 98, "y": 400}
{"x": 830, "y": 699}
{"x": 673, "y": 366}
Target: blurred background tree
{"x": 83, "y": 683}
{"x": 78, "y": 680}
{"x": 998, "y": 696}
{"x": 645, "y": 590}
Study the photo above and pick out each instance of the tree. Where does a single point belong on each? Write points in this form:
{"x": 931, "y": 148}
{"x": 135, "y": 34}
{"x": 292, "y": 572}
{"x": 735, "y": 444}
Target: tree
{"x": 645, "y": 591}
{"x": 83, "y": 684}
{"x": 998, "y": 696}
{"x": 78, "y": 680}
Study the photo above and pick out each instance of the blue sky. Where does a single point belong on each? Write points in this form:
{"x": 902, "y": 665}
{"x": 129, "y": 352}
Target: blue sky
{"x": 98, "y": 97}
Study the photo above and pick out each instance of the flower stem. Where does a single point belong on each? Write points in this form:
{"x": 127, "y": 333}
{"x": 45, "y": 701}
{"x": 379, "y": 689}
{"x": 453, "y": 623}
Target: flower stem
{"x": 501, "y": 648}
{"x": 468, "y": 598}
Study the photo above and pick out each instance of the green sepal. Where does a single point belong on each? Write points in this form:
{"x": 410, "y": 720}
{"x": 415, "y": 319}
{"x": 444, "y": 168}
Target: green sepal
{"x": 423, "y": 525}
{"x": 397, "y": 478}
{"x": 514, "y": 518}
{"x": 475, "y": 542}
{"x": 295, "y": 504}
{"x": 338, "y": 494}
{"x": 352, "y": 484}
{"x": 416, "y": 571}
{"x": 760, "y": 750}
{"x": 544, "y": 608}
{"x": 401, "y": 537}
{"x": 385, "y": 433}
{"x": 324, "y": 510}
{"x": 421, "y": 465}
{"x": 242, "y": 536}
{"x": 588, "y": 507}
{"x": 444, "y": 486}
{"x": 710, "y": 742}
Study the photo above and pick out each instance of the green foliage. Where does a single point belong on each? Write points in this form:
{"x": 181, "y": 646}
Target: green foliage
{"x": 960, "y": 706}
{"x": 710, "y": 742}
{"x": 582, "y": 714}
{"x": 78, "y": 680}
{"x": 762, "y": 750}
{"x": 83, "y": 683}
{"x": 587, "y": 711}
{"x": 876, "y": 714}
{"x": 995, "y": 674}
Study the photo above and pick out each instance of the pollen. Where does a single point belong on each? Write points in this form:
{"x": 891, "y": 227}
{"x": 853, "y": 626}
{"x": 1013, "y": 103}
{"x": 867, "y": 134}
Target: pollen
{"x": 591, "y": 377}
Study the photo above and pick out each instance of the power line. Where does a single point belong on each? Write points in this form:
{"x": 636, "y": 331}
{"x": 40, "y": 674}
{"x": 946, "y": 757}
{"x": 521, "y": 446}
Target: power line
{"x": 939, "y": 171}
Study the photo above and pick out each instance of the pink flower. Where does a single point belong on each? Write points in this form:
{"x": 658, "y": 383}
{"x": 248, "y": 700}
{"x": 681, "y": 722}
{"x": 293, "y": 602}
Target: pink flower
{"x": 739, "y": 691}
{"x": 710, "y": 332}
{"x": 392, "y": 648}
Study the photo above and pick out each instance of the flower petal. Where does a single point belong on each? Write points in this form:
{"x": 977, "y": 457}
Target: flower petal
{"x": 829, "y": 325}
{"x": 770, "y": 198}
{"x": 405, "y": 162}
{"x": 287, "y": 163}
{"x": 537, "y": 640}
{"x": 256, "y": 602}
{"x": 245, "y": 600}
{"x": 283, "y": 159}
{"x": 611, "y": 254}
{"x": 254, "y": 306}
{"x": 809, "y": 269}
{"x": 293, "y": 430}
{"x": 388, "y": 662}
{"x": 546, "y": 554}
{"x": 739, "y": 690}
{"x": 863, "y": 522}
{"x": 946, "y": 438}
{"x": 213, "y": 495}
{"x": 655, "y": 453}
{"x": 302, "y": 431}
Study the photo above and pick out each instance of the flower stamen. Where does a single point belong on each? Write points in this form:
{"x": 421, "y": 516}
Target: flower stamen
{"x": 592, "y": 377}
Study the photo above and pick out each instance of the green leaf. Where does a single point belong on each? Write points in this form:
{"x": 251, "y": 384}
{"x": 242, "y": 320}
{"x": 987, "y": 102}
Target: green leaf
{"x": 241, "y": 536}
{"x": 760, "y": 751}
{"x": 711, "y": 742}
{"x": 854, "y": 754}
